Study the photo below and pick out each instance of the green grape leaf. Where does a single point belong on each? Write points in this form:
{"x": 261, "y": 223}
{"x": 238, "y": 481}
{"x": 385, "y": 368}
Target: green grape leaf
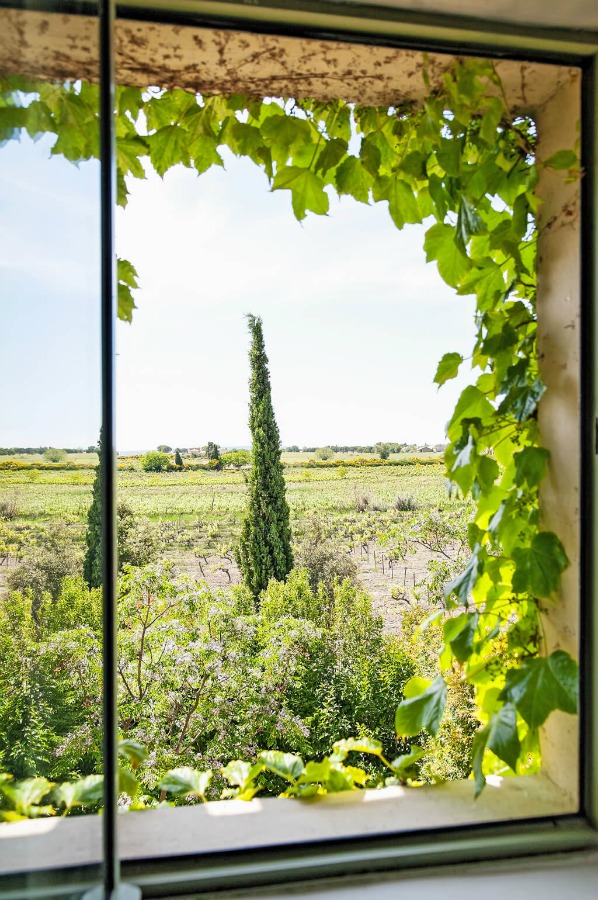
{"x": 331, "y": 155}
{"x": 462, "y": 642}
{"x": 87, "y": 791}
{"x": 402, "y": 764}
{"x": 167, "y": 147}
{"x": 241, "y": 773}
{"x": 562, "y": 159}
{"x": 26, "y": 795}
{"x": 448, "y": 368}
{"x": 542, "y": 685}
{"x": 306, "y": 187}
{"x": 186, "y": 781}
{"x": 530, "y": 466}
{"x": 501, "y": 736}
{"x": 465, "y": 582}
{"x": 422, "y": 713}
{"x": 286, "y": 765}
{"x": 468, "y": 224}
{"x": 539, "y": 566}
{"x": 353, "y": 179}
{"x": 134, "y": 751}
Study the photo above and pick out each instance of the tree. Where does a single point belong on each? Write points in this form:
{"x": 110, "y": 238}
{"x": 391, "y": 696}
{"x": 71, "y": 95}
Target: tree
{"x": 324, "y": 453}
{"x": 152, "y": 461}
{"x": 164, "y": 448}
{"x": 178, "y": 459}
{"x": 54, "y": 455}
{"x": 92, "y": 561}
{"x": 212, "y": 450}
{"x": 264, "y": 550}
{"x": 383, "y": 450}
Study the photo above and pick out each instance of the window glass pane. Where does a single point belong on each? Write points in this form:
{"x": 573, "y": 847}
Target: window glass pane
{"x": 50, "y": 618}
{"x": 354, "y": 324}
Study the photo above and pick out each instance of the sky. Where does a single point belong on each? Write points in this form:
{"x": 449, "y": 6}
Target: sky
{"x": 354, "y": 319}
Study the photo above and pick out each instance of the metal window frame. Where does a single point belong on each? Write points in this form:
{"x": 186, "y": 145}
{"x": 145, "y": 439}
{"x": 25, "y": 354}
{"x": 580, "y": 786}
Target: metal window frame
{"x": 363, "y": 23}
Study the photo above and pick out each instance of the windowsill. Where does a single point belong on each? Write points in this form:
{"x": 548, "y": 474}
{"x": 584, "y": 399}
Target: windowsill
{"x": 210, "y": 827}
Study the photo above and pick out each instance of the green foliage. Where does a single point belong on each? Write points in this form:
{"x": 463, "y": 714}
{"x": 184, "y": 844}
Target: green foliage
{"x": 236, "y": 458}
{"x": 264, "y": 550}
{"x": 323, "y": 557}
{"x": 153, "y": 461}
{"x": 463, "y": 160}
{"x": 48, "y": 559}
{"x": 213, "y": 451}
{"x": 178, "y": 459}
{"x": 324, "y": 453}
{"x": 53, "y": 455}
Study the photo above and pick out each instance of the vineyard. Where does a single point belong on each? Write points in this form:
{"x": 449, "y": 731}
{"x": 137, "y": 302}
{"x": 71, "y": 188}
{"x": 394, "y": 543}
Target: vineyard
{"x": 395, "y": 523}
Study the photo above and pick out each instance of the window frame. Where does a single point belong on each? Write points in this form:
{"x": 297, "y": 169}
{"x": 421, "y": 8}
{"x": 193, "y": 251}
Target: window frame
{"x": 385, "y": 26}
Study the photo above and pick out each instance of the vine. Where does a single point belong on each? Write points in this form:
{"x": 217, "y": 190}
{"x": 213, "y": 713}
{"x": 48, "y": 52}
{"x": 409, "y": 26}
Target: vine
{"x": 464, "y": 160}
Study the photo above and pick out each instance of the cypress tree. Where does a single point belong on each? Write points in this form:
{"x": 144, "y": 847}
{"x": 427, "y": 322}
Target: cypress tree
{"x": 92, "y": 562}
{"x": 178, "y": 459}
{"x": 264, "y": 550}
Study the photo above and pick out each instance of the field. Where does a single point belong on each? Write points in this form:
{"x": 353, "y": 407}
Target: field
{"x": 392, "y": 521}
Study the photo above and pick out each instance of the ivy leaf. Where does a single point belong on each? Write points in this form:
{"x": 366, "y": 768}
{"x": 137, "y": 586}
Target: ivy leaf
{"x": 286, "y": 765}
{"x": 448, "y": 368}
{"x": 464, "y": 583}
{"x": 403, "y": 763}
{"x": 462, "y": 643}
{"x": 306, "y": 187}
{"x": 542, "y": 685}
{"x": 331, "y": 155}
{"x": 25, "y": 795}
{"x": 353, "y": 179}
{"x": 204, "y": 153}
{"x": 402, "y": 202}
{"x": 500, "y": 735}
{"x": 134, "y": 751}
{"x": 539, "y": 566}
{"x": 468, "y": 224}
{"x": 87, "y": 791}
{"x": 440, "y": 244}
{"x": 423, "y": 712}
{"x": 284, "y": 133}
{"x": 563, "y": 159}
{"x": 167, "y": 147}
{"x": 472, "y": 404}
{"x": 530, "y": 466}
{"x": 186, "y": 781}
{"x": 522, "y": 402}
{"x": 128, "y": 151}
{"x": 340, "y": 749}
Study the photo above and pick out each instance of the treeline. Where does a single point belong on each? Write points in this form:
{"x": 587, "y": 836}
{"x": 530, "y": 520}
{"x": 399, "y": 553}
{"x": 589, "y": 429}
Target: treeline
{"x": 356, "y": 448}
{"x": 34, "y": 451}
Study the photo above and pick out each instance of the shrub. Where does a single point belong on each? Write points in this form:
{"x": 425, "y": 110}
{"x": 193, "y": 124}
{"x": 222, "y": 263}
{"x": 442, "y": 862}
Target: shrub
{"x": 405, "y": 503}
{"x": 46, "y": 564}
{"x": 235, "y": 458}
{"x": 322, "y": 557}
{"x": 362, "y": 501}
{"x": 8, "y": 508}
{"x": 153, "y": 461}
{"x": 53, "y": 455}
{"x": 139, "y": 541}
{"x": 324, "y": 453}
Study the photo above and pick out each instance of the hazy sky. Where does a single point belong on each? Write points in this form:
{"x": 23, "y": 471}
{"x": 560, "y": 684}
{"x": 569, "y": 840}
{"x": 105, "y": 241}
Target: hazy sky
{"x": 354, "y": 319}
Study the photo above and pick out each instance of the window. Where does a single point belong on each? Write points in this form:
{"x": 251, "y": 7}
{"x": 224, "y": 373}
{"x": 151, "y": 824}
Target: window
{"x": 340, "y": 848}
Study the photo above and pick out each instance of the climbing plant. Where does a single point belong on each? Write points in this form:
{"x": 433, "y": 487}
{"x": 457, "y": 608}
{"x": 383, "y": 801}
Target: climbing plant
{"x": 465, "y": 165}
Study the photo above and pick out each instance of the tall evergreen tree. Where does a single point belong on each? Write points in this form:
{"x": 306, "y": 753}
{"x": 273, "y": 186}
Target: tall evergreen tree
{"x": 264, "y": 550}
{"x": 92, "y": 562}
{"x": 178, "y": 459}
